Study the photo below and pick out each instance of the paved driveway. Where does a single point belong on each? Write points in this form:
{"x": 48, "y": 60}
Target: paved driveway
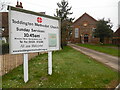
{"x": 106, "y": 59}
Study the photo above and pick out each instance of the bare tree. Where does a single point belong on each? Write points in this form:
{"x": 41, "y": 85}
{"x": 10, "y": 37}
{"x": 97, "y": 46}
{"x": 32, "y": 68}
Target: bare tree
{"x": 3, "y": 5}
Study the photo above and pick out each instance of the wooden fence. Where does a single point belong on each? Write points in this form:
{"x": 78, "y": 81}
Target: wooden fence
{"x": 8, "y": 62}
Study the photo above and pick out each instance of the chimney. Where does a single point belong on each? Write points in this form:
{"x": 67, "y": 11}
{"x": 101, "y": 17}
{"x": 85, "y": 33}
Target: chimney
{"x": 19, "y": 5}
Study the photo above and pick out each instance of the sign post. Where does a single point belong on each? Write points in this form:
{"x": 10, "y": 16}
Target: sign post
{"x": 25, "y": 67}
{"x": 31, "y": 32}
{"x": 50, "y": 62}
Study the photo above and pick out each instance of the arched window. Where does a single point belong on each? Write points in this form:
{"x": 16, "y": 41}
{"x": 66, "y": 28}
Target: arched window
{"x": 76, "y": 32}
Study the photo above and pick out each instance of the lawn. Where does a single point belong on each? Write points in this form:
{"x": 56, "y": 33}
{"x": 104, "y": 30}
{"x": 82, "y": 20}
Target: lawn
{"x": 108, "y": 49}
{"x": 71, "y": 69}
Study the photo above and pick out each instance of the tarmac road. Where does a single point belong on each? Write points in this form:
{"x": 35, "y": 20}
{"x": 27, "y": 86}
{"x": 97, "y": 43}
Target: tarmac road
{"x": 111, "y": 61}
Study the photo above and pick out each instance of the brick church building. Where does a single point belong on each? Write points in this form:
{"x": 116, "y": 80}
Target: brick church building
{"x": 83, "y": 29}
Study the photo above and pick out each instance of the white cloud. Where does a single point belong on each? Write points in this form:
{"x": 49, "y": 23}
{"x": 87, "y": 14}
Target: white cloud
{"x": 96, "y": 8}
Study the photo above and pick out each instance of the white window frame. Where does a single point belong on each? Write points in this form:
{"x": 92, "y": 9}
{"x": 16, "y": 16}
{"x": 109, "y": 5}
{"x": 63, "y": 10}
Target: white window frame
{"x": 76, "y": 32}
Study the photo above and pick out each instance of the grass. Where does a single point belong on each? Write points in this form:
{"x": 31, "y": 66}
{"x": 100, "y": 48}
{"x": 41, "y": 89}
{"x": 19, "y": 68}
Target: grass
{"x": 111, "y": 45}
{"x": 71, "y": 69}
{"x": 108, "y": 49}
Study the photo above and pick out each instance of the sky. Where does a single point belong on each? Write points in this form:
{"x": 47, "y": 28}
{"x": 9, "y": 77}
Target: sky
{"x": 98, "y": 9}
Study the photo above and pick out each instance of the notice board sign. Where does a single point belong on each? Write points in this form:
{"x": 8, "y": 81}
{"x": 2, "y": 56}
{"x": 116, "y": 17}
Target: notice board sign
{"x": 52, "y": 40}
{"x": 32, "y": 32}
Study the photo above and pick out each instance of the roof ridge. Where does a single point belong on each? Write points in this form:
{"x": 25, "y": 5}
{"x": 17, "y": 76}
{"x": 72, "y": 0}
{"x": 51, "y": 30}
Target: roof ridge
{"x": 83, "y": 15}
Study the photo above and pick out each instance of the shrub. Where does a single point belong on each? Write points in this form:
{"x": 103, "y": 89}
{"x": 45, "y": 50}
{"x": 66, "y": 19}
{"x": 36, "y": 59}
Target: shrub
{"x": 5, "y": 48}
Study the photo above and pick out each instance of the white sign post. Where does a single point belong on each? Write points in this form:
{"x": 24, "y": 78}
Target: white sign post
{"x": 31, "y": 32}
{"x": 50, "y": 62}
{"x": 25, "y": 66}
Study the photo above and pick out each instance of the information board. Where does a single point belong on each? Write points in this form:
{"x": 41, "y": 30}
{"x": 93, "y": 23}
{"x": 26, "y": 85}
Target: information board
{"x": 32, "y": 32}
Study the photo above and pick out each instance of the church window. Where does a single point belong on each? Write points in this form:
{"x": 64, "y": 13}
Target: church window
{"x": 76, "y": 33}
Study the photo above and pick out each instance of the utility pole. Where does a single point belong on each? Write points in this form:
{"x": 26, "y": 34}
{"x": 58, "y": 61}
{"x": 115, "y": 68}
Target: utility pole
{"x": 118, "y": 14}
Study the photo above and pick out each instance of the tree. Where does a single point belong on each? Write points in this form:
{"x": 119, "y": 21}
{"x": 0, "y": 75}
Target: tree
{"x": 103, "y": 29}
{"x": 63, "y": 12}
{"x": 3, "y": 5}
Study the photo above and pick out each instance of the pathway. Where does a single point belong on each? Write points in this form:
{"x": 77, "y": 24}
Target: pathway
{"x": 106, "y": 59}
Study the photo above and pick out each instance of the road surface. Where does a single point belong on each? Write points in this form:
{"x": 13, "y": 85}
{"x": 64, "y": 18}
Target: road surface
{"x": 111, "y": 61}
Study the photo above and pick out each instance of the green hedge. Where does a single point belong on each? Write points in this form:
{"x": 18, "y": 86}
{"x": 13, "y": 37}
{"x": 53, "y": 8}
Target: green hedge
{"x": 5, "y": 48}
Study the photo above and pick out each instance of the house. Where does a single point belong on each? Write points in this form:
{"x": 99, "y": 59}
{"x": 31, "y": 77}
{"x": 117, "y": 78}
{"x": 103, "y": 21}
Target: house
{"x": 4, "y": 30}
{"x": 4, "y": 23}
{"x": 116, "y": 37}
{"x": 83, "y": 29}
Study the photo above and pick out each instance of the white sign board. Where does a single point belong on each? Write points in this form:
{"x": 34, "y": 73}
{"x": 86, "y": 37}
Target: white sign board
{"x": 32, "y": 32}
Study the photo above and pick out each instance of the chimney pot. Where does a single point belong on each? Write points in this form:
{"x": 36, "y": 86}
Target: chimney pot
{"x": 17, "y": 3}
{"x": 20, "y": 4}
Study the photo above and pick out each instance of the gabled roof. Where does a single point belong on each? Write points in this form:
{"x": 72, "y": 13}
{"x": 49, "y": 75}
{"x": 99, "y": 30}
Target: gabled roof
{"x": 83, "y": 16}
{"x": 117, "y": 33}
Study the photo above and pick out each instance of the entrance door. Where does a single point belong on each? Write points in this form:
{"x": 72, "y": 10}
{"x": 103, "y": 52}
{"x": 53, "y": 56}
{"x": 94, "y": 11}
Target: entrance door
{"x": 86, "y": 38}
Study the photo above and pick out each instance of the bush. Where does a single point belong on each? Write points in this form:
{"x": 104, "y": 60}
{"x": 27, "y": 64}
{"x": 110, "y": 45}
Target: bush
{"x": 3, "y": 41}
{"x": 5, "y": 48}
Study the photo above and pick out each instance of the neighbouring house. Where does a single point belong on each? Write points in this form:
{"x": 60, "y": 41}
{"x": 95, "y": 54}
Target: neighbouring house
{"x": 4, "y": 30}
{"x": 4, "y": 24}
{"x": 116, "y": 37}
{"x": 83, "y": 29}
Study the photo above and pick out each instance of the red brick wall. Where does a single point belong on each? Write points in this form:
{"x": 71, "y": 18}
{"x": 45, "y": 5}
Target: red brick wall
{"x": 83, "y": 30}
{"x": 107, "y": 41}
{"x": 95, "y": 41}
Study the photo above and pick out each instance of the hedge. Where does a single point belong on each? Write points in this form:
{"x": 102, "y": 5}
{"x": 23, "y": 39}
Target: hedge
{"x": 5, "y": 48}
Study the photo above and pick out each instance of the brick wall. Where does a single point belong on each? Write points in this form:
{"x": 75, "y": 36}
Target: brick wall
{"x": 95, "y": 41}
{"x": 9, "y": 61}
{"x": 85, "y": 24}
{"x": 107, "y": 41}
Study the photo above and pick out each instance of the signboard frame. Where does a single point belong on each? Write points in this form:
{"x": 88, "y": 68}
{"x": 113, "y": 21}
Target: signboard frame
{"x": 32, "y": 13}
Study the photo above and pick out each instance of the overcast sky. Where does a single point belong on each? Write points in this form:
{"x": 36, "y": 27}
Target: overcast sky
{"x": 98, "y": 9}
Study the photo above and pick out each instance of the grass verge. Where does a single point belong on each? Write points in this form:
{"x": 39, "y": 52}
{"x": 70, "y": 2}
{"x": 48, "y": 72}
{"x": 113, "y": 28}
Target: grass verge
{"x": 108, "y": 49}
{"x": 71, "y": 69}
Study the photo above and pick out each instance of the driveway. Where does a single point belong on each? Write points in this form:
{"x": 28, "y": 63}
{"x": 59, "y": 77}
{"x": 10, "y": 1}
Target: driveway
{"x": 106, "y": 59}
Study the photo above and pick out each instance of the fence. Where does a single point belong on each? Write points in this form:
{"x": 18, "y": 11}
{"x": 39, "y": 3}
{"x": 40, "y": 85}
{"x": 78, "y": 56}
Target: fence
{"x": 8, "y": 61}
